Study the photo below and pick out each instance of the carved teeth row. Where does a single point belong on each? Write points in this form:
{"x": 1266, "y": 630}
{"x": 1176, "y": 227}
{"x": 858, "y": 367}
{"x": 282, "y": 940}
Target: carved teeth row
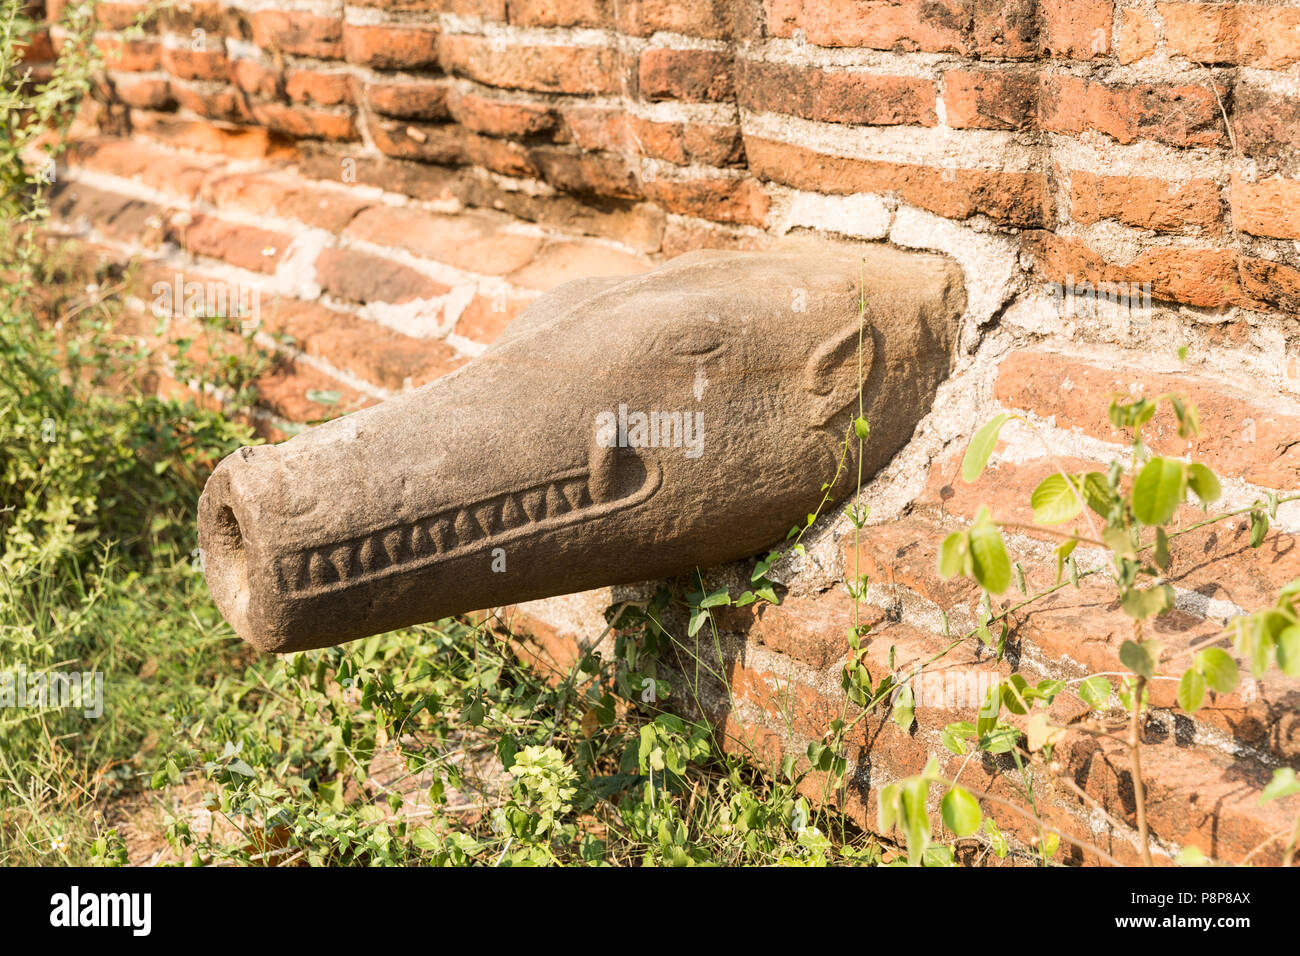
{"x": 440, "y": 534}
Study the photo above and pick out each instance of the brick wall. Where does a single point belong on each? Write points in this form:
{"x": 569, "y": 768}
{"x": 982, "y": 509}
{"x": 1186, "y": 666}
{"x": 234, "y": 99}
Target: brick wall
{"x": 404, "y": 176}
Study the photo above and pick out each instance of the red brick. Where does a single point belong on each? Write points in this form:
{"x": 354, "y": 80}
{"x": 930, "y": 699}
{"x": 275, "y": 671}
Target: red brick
{"x": 123, "y": 16}
{"x": 487, "y": 316}
{"x": 1268, "y": 208}
{"x": 1205, "y": 277}
{"x": 542, "y": 69}
{"x": 560, "y": 13}
{"x": 1014, "y": 198}
{"x": 35, "y": 47}
{"x": 112, "y": 214}
{"x": 1137, "y": 37}
{"x": 713, "y": 19}
{"x": 147, "y": 93}
{"x": 1233, "y": 33}
{"x": 208, "y": 16}
{"x": 248, "y": 247}
{"x": 323, "y": 89}
{"x": 221, "y": 104}
{"x": 391, "y": 47}
{"x": 600, "y": 174}
{"x": 195, "y": 64}
{"x": 838, "y": 97}
{"x": 159, "y": 169}
{"x": 706, "y": 144}
{"x": 475, "y": 243}
{"x": 298, "y": 32}
{"x": 364, "y": 278}
{"x": 260, "y": 79}
{"x": 452, "y": 145}
{"x": 562, "y": 260}
{"x": 303, "y": 122}
{"x": 1266, "y": 123}
{"x": 483, "y": 9}
{"x": 931, "y": 26}
{"x": 812, "y": 629}
{"x": 1078, "y": 29}
{"x": 1006, "y": 28}
{"x": 1147, "y": 203}
{"x": 377, "y": 354}
{"x": 1240, "y": 437}
{"x": 285, "y": 388}
{"x": 740, "y": 201}
{"x": 286, "y": 196}
{"x": 130, "y": 56}
{"x": 1184, "y": 115}
{"x": 990, "y": 99}
{"x": 499, "y": 117}
{"x": 693, "y": 76}
{"x": 417, "y": 99}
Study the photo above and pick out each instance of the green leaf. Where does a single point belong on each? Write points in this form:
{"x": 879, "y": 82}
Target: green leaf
{"x": 861, "y": 428}
{"x": 1204, "y": 484}
{"x": 981, "y": 448}
{"x": 1056, "y": 499}
{"x": 1283, "y": 784}
{"x": 1219, "y": 668}
{"x": 1062, "y": 552}
{"x": 960, "y": 812}
{"x": 1137, "y": 658}
{"x": 988, "y": 715}
{"x": 1098, "y": 494}
{"x": 1258, "y": 528}
{"x": 1191, "y": 690}
{"x": 990, "y": 565}
{"x": 904, "y": 707}
{"x": 1159, "y": 490}
{"x": 1095, "y": 692}
{"x": 1288, "y": 651}
{"x": 1142, "y": 604}
{"x": 1162, "y": 549}
{"x": 952, "y": 555}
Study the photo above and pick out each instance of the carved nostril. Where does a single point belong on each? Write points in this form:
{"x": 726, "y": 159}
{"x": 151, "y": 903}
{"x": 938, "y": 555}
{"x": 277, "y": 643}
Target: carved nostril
{"x": 225, "y": 558}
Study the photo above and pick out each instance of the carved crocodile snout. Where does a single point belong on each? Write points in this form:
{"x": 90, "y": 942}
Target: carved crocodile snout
{"x": 620, "y": 430}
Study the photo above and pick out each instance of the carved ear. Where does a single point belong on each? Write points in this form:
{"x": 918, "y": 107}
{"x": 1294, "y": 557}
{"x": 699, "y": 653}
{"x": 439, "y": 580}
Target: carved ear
{"x": 832, "y": 372}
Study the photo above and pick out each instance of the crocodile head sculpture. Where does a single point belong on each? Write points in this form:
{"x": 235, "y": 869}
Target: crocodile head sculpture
{"x": 622, "y": 429}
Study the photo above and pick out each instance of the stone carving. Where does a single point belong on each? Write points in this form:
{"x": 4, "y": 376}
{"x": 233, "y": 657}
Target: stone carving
{"x": 622, "y": 429}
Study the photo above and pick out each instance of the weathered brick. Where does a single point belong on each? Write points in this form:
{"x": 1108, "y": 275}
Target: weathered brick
{"x": 1266, "y": 123}
{"x": 1137, "y": 37}
{"x": 487, "y": 316}
{"x": 175, "y": 173}
{"x": 206, "y": 64}
{"x": 130, "y": 56}
{"x": 837, "y": 97}
{"x": 811, "y": 629}
{"x": 219, "y": 104}
{"x": 304, "y": 122}
{"x": 1015, "y": 198}
{"x": 285, "y": 196}
{"x": 693, "y": 76}
{"x": 1078, "y": 29}
{"x": 452, "y": 145}
{"x": 542, "y": 69}
{"x": 144, "y": 92}
{"x": 475, "y": 243}
{"x": 323, "y": 89}
{"x": 415, "y": 99}
{"x": 123, "y": 16}
{"x": 1268, "y": 208}
{"x": 1006, "y": 28}
{"x": 931, "y": 26}
{"x": 1182, "y": 115}
{"x": 259, "y": 250}
{"x": 377, "y": 354}
{"x": 600, "y": 174}
{"x": 1147, "y": 203}
{"x": 1205, "y": 277}
{"x": 1240, "y": 436}
{"x": 706, "y": 144}
{"x": 258, "y": 78}
{"x": 714, "y": 19}
{"x": 740, "y": 201}
{"x": 391, "y": 47}
{"x": 499, "y": 117}
{"x": 298, "y": 32}
{"x": 560, "y": 13}
{"x": 1233, "y": 33}
{"x": 990, "y": 99}
{"x": 483, "y": 9}
{"x": 365, "y": 278}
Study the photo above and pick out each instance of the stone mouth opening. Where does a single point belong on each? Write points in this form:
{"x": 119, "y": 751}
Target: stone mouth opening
{"x": 225, "y": 557}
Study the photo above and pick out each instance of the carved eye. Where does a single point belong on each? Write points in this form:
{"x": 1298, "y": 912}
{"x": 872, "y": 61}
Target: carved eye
{"x": 697, "y": 343}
